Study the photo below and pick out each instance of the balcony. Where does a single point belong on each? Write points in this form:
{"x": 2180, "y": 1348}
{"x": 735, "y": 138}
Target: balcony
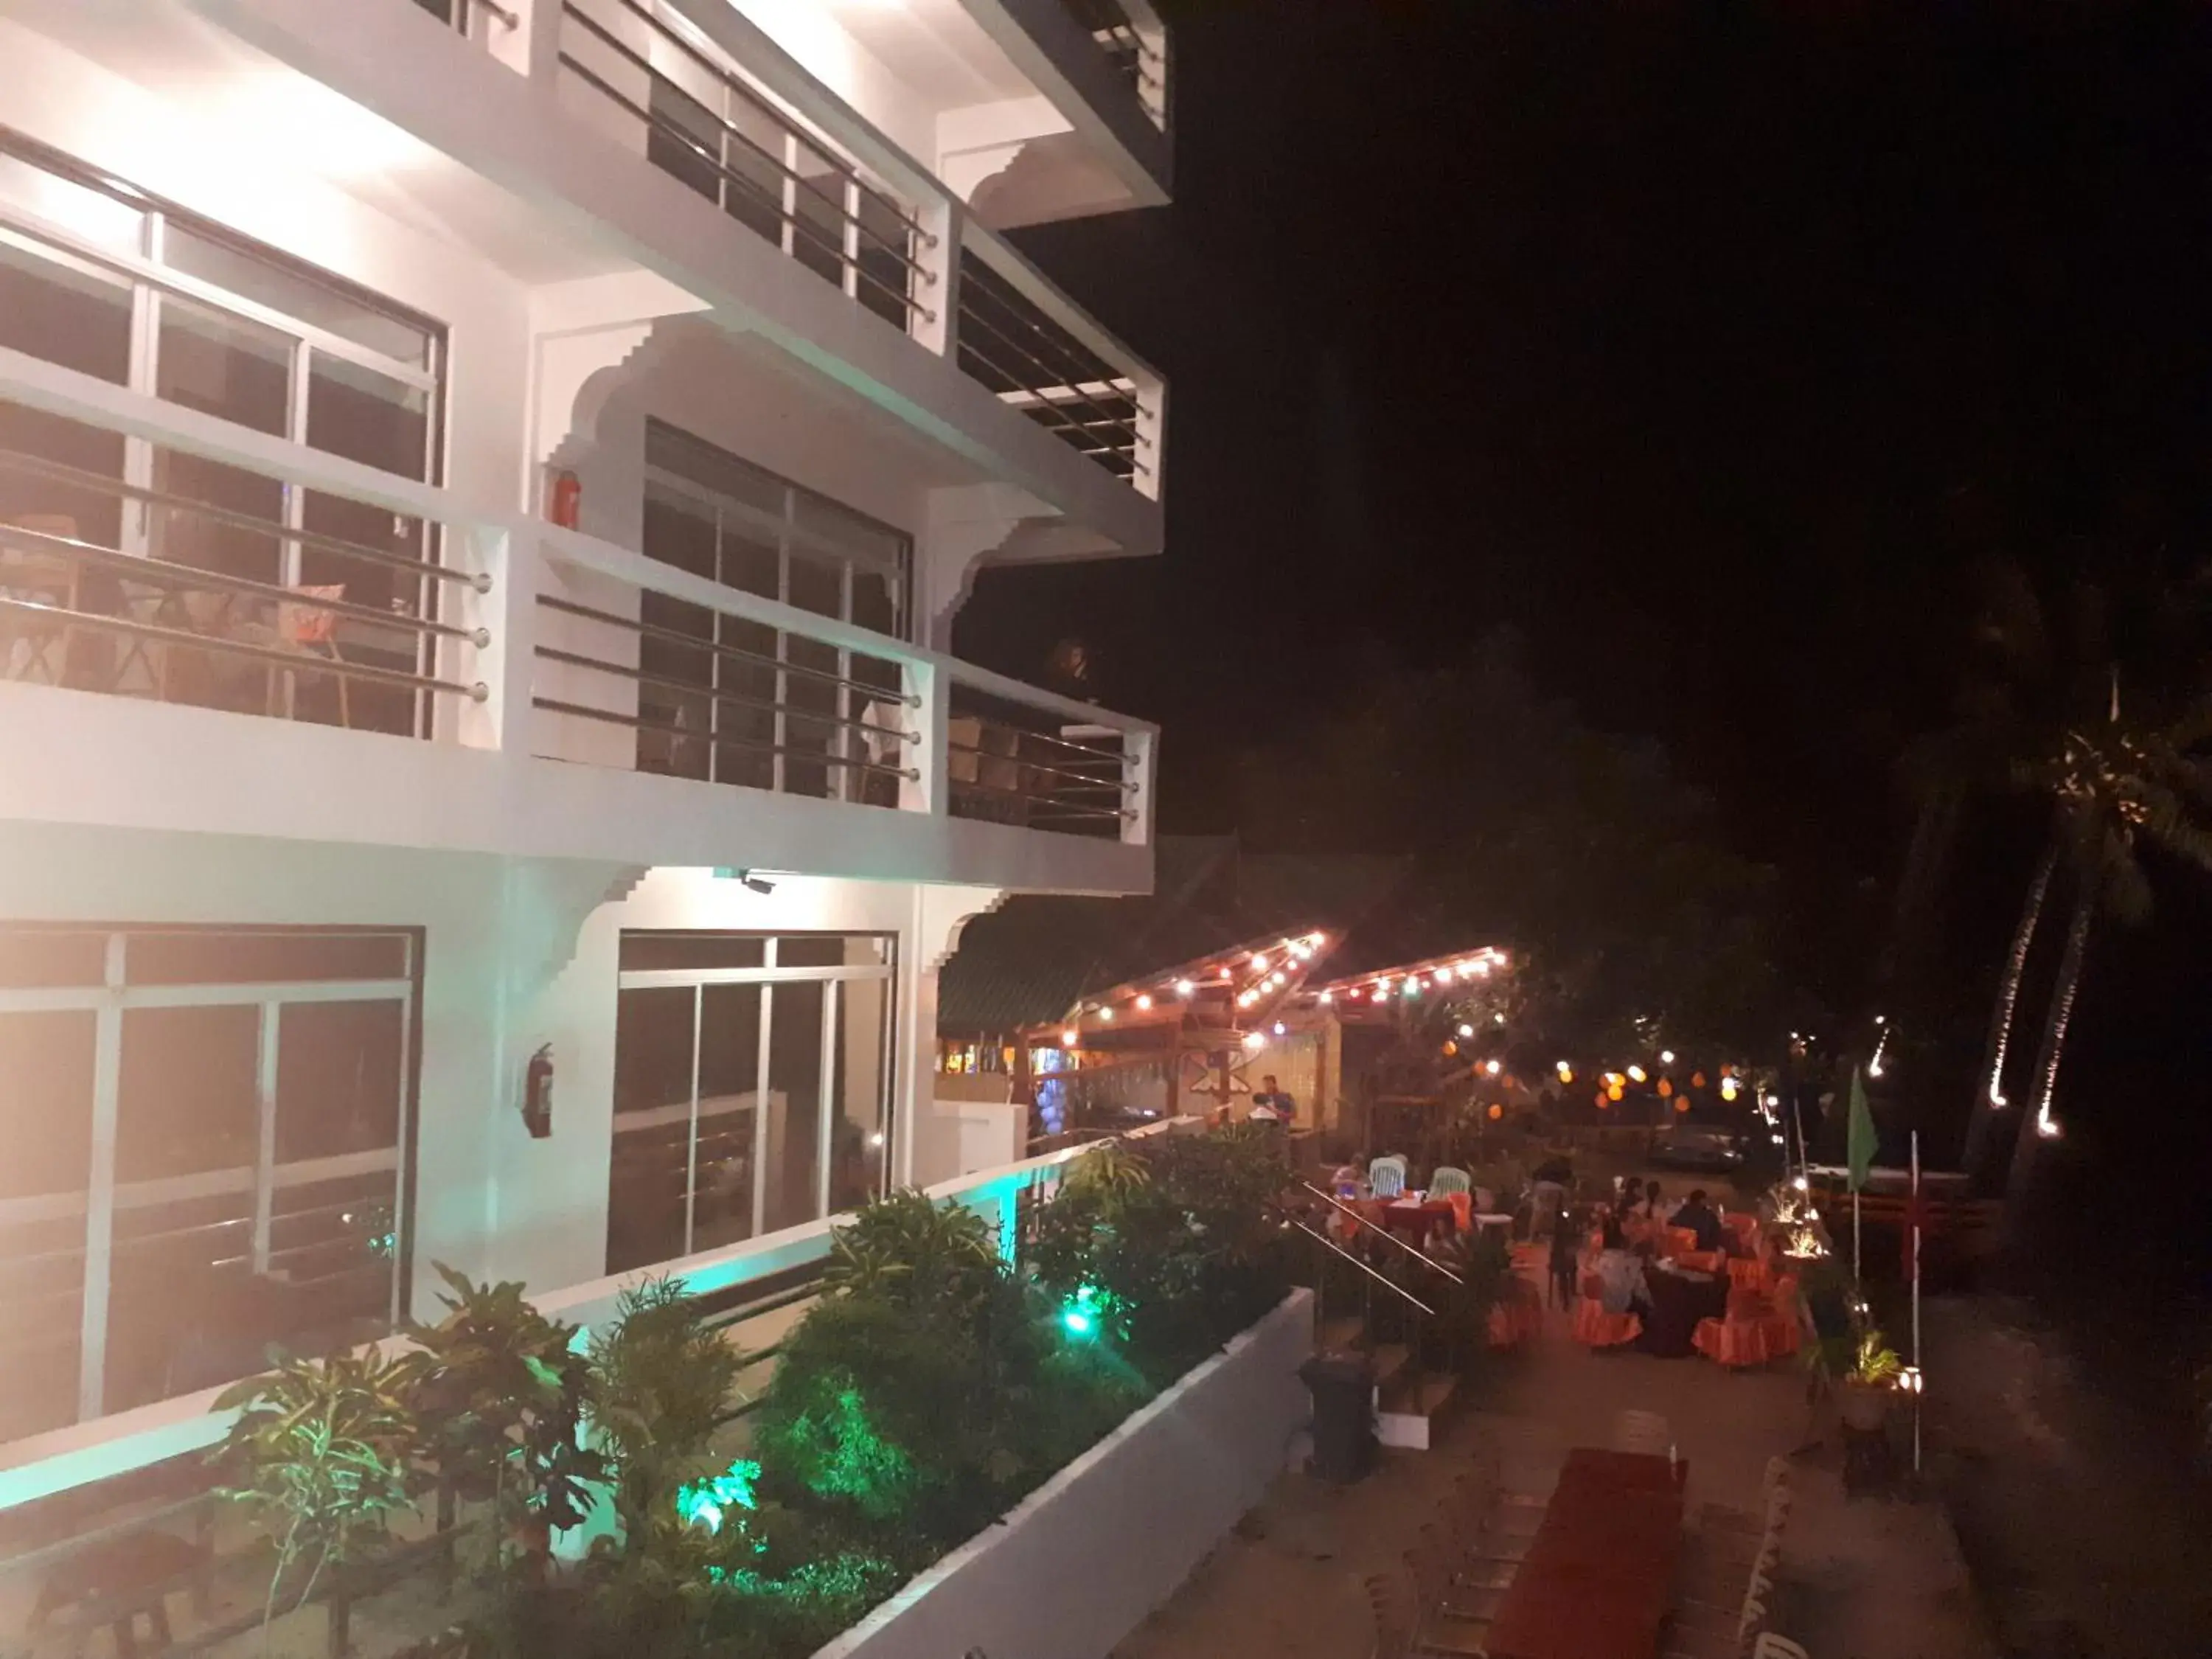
{"x": 177, "y": 658}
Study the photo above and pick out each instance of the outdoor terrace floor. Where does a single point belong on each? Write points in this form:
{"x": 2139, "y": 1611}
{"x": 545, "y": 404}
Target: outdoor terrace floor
{"x": 1862, "y": 1579}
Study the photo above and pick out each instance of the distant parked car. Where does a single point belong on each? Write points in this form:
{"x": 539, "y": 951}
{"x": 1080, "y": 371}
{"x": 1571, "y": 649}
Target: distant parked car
{"x": 1695, "y": 1146}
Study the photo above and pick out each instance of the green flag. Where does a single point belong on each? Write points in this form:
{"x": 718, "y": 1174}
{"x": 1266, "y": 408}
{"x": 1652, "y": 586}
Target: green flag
{"x": 1859, "y": 1146}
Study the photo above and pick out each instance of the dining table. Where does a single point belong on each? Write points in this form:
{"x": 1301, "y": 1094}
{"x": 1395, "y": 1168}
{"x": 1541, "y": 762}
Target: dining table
{"x": 1417, "y": 1216}
{"x": 1680, "y": 1296}
{"x": 1598, "y": 1577}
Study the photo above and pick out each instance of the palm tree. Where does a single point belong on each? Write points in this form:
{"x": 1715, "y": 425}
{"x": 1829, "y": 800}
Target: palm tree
{"x": 2118, "y": 788}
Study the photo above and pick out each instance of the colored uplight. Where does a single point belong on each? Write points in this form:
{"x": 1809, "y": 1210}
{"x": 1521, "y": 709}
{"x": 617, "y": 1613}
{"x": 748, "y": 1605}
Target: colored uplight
{"x": 708, "y": 1503}
{"x": 1082, "y": 1314}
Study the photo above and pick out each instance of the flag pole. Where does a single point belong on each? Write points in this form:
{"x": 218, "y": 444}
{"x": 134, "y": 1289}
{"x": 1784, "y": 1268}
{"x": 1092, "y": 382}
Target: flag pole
{"x": 1917, "y": 1381}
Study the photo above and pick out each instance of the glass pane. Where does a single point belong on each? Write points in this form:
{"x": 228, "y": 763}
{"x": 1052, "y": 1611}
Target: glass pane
{"x": 810, "y": 694}
{"x": 185, "y": 1101}
{"x": 223, "y": 365}
{"x": 682, "y": 139}
{"x": 338, "y": 1239}
{"x": 753, "y": 152}
{"x": 219, "y": 958}
{"x": 729, "y": 1095}
{"x": 325, "y": 305}
{"x": 45, "y": 1081}
{"x": 666, "y": 951}
{"x": 652, "y": 1126}
{"x": 858, "y": 1137}
{"x": 811, "y": 950}
{"x": 65, "y": 311}
{"x": 185, "y": 1308}
{"x": 45, "y": 1091}
{"x": 35, "y": 957}
{"x": 678, "y": 738}
{"x": 818, "y": 238}
{"x": 31, "y": 496}
{"x": 885, "y": 249}
{"x": 746, "y": 754}
{"x": 339, "y": 1068}
{"x": 794, "y": 1104}
{"x": 91, "y": 214}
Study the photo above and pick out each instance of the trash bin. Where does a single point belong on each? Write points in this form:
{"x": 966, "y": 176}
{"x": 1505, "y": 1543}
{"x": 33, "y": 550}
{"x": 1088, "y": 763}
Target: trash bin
{"x": 1343, "y": 1389}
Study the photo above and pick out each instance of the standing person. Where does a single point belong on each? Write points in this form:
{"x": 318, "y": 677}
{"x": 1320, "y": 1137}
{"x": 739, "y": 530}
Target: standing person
{"x": 1271, "y": 1105}
{"x": 1547, "y": 1195}
{"x": 1566, "y": 1256}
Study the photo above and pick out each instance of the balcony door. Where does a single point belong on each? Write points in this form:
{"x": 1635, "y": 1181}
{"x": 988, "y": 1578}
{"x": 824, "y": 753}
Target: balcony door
{"x": 206, "y": 1156}
{"x": 773, "y": 709}
{"x": 99, "y": 277}
{"x": 752, "y": 1087}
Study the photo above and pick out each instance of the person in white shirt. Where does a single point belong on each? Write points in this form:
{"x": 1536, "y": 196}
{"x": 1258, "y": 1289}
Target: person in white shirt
{"x": 1271, "y": 1105}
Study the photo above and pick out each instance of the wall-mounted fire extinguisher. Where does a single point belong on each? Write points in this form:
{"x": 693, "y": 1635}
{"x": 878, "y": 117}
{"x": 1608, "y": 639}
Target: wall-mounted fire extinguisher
{"x": 564, "y": 499}
{"x": 537, "y": 1093}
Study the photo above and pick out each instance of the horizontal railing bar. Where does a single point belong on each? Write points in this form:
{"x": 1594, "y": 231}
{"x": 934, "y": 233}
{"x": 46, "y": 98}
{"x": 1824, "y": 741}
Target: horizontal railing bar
{"x": 554, "y": 705}
{"x": 969, "y": 314}
{"x": 303, "y": 661}
{"x": 1038, "y": 766}
{"x": 834, "y": 247}
{"x": 1004, "y": 264}
{"x": 1391, "y": 1284}
{"x": 693, "y": 141}
{"x": 686, "y": 688}
{"x": 1111, "y": 757}
{"x": 737, "y": 84}
{"x": 1421, "y": 1256}
{"x": 887, "y": 693}
{"x": 1040, "y": 800}
{"x": 37, "y": 466}
{"x": 166, "y": 573}
{"x": 821, "y": 240}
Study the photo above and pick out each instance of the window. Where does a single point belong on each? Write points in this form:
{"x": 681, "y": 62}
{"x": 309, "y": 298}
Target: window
{"x": 99, "y": 277}
{"x": 708, "y": 1027}
{"x": 774, "y": 710}
{"x": 231, "y": 1177}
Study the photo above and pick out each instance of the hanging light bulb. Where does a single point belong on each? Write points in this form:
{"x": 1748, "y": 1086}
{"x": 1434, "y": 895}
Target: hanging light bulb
{"x": 1494, "y": 1068}
{"x": 1636, "y": 1074}
{"x": 1254, "y": 1040}
{"x": 1184, "y": 987}
{"x": 1467, "y": 1030}
{"x": 1105, "y": 1013}
{"x": 1260, "y": 961}
{"x": 1327, "y": 997}
{"x": 1666, "y": 1056}
{"x": 1443, "y": 976}
{"x": 1728, "y": 1087}
{"x": 1069, "y": 1038}
{"x": 1145, "y": 1002}
{"x": 1317, "y": 938}
{"x": 1279, "y": 1028}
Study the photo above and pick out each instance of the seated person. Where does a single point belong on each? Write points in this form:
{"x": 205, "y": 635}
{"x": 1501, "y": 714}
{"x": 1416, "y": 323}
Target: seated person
{"x": 1697, "y": 1216}
{"x": 1620, "y": 1271}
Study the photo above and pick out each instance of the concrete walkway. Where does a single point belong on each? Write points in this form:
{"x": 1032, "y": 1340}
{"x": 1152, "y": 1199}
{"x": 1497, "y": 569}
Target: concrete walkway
{"x": 1860, "y": 1580}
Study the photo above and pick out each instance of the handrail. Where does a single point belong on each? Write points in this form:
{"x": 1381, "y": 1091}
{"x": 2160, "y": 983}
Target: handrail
{"x": 1425, "y": 1259}
{"x": 1396, "y": 1289}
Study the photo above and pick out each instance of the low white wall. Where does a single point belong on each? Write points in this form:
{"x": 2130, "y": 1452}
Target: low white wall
{"x": 1082, "y": 1562}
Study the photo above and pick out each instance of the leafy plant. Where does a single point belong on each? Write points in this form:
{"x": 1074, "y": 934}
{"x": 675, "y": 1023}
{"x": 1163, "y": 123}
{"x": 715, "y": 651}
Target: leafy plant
{"x": 907, "y": 1248}
{"x": 1110, "y": 1168}
{"x": 501, "y": 1391}
{"x": 322, "y": 1449}
{"x": 1875, "y": 1364}
{"x": 659, "y": 1385}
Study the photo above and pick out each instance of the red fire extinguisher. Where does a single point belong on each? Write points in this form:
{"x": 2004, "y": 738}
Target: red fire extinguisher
{"x": 537, "y": 1093}
{"x": 565, "y": 497}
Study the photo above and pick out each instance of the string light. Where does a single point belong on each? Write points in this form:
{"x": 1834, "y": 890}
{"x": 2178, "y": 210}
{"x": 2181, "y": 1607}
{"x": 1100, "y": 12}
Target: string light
{"x": 1666, "y": 1056}
{"x": 1728, "y": 1087}
{"x": 1246, "y": 999}
{"x": 1327, "y": 997}
{"x": 1566, "y": 1072}
{"x": 1105, "y": 1013}
{"x": 1497, "y": 1019}
{"x": 1279, "y": 1028}
{"x": 1069, "y": 1038}
{"x": 1260, "y": 963}
{"x": 1145, "y": 1002}
{"x": 1636, "y": 1074}
{"x": 1497, "y": 1111}
{"x": 1467, "y": 1030}
{"x": 1254, "y": 1040}
{"x": 1493, "y": 1069}
{"x": 1184, "y": 987}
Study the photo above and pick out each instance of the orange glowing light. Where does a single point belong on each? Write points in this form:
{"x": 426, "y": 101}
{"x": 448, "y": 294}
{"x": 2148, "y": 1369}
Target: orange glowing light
{"x": 1683, "y": 1105}
{"x": 1497, "y": 1110}
{"x": 1665, "y": 1088}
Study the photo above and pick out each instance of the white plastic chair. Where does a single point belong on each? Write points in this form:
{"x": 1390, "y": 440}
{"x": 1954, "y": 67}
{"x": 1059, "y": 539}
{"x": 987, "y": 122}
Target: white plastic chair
{"x": 1446, "y": 1180}
{"x": 1386, "y": 1176}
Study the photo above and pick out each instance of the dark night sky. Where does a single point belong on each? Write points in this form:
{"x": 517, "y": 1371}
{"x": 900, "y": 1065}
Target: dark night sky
{"x": 1712, "y": 346}
{"x": 1708, "y": 344}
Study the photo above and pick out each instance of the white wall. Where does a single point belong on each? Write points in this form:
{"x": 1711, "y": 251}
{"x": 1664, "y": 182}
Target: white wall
{"x": 1085, "y": 1559}
{"x": 517, "y": 953}
{"x": 173, "y": 150}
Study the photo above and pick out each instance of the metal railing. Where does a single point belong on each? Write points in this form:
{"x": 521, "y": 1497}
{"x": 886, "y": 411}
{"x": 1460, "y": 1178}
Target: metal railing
{"x": 1133, "y": 57}
{"x": 1009, "y": 343}
{"x": 213, "y": 565}
{"x": 712, "y": 131}
{"x": 645, "y": 667}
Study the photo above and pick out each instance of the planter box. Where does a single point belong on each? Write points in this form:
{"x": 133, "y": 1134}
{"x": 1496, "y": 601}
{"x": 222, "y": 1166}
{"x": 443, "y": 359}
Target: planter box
{"x": 1089, "y": 1554}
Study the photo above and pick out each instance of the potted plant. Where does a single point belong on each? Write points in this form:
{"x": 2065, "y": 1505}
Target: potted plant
{"x": 1866, "y": 1383}
{"x": 323, "y": 1449}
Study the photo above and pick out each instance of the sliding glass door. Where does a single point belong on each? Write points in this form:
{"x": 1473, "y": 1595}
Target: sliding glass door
{"x": 751, "y": 1086}
{"x": 206, "y": 1156}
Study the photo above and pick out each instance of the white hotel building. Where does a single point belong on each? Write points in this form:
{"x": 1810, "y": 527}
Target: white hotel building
{"x": 485, "y": 486}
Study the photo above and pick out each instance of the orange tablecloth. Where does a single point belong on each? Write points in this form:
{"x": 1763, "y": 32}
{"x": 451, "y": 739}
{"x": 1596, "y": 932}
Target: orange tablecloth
{"x": 1518, "y": 1314}
{"x": 1601, "y": 1569}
